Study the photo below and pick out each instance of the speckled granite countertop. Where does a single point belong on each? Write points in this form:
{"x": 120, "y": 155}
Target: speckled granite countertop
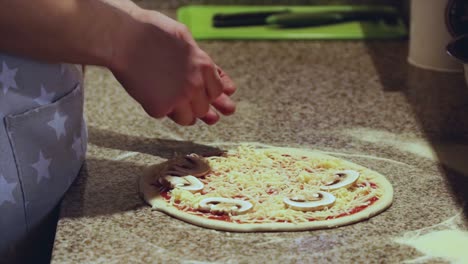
{"x": 359, "y": 100}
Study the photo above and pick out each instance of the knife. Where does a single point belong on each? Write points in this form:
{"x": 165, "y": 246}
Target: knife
{"x": 245, "y": 18}
{"x": 289, "y": 19}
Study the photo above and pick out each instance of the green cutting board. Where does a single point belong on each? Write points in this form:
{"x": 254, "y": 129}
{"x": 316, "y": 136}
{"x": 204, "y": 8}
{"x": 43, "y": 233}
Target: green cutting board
{"x": 199, "y": 20}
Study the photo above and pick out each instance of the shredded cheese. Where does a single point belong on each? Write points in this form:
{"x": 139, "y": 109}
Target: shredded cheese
{"x": 265, "y": 177}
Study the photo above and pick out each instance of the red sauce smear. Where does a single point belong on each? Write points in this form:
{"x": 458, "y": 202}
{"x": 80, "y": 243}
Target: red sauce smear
{"x": 165, "y": 195}
{"x": 221, "y": 217}
{"x": 271, "y": 191}
{"x": 372, "y": 185}
{"x": 226, "y": 218}
{"x": 357, "y": 209}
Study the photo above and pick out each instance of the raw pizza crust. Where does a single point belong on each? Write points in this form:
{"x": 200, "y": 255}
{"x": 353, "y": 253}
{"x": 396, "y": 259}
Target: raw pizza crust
{"x": 152, "y": 196}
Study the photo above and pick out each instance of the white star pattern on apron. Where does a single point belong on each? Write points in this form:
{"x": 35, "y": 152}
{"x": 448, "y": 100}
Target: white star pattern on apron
{"x": 6, "y": 191}
{"x": 58, "y": 124}
{"x": 7, "y": 78}
{"x": 42, "y": 140}
{"x": 45, "y": 97}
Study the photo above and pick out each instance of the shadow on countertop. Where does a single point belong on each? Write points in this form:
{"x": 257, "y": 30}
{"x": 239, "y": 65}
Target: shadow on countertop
{"x": 92, "y": 194}
{"x": 439, "y": 102}
{"x": 164, "y": 148}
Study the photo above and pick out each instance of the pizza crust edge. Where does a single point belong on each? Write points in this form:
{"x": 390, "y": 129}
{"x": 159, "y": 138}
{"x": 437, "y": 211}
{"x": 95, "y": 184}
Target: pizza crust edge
{"x": 151, "y": 195}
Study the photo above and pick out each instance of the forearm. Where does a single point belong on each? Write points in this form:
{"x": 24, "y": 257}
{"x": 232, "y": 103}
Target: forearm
{"x": 74, "y": 31}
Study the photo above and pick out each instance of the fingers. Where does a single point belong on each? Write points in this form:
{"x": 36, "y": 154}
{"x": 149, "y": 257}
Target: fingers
{"x": 183, "y": 114}
{"x": 224, "y": 104}
{"x": 186, "y": 113}
{"x": 218, "y": 82}
{"x": 211, "y": 117}
{"x": 200, "y": 103}
{"x": 228, "y": 85}
{"x": 214, "y": 85}
{"x": 207, "y": 101}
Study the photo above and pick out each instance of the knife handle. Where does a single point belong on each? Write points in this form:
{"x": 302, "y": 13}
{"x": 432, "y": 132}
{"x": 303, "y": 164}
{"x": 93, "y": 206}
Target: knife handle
{"x": 305, "y": 19}
{"x": 244, "y": 19}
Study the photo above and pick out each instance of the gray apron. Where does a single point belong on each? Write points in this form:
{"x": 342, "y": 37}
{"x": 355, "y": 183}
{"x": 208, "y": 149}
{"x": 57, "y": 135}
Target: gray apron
{"x": 42, "y": 141}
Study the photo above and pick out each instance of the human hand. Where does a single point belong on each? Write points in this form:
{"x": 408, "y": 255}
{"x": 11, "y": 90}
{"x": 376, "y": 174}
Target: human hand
{"x": 161, "y": 66}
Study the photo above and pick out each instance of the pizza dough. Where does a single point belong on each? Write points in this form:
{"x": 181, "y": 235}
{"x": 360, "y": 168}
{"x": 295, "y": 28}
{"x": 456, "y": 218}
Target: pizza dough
{"x": 368, "y": 196}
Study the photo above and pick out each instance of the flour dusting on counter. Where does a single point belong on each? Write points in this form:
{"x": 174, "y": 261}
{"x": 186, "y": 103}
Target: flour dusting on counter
{"x": 450, "y": 154}
{"x": 443, "y": 241}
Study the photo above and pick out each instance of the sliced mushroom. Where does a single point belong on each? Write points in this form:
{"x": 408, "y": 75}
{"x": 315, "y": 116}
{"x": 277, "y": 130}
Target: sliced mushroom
{"x": 319, "y": 201}
{"x": 189, "y": 183}
{"x": 220, "y": 205}
{"x": 341, "y": 179}
{"x": 307, "y": 197}
{"x": 191, "y": 164}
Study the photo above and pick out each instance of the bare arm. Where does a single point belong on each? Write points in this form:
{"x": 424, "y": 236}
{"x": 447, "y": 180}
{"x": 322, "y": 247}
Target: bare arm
{"x": 154, "y": 57}
{"x": 75, "y": 31}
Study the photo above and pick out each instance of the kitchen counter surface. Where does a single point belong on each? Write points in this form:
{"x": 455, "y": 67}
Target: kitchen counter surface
{"x": 358, "y": 100}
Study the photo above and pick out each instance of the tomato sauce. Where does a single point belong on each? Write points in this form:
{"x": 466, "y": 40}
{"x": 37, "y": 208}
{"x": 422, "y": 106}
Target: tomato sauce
{"x": 355, "y": 210}
{"x": 165, "y": 195}
{"x": 227, "y": 218}
{"x": 221, "y": 217}
{"x": 371, "y": 184}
